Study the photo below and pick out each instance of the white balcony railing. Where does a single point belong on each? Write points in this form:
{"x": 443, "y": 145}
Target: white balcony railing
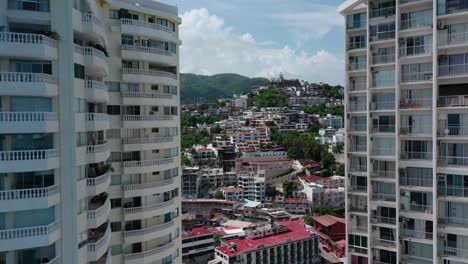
{"x": 358, "y": 168}
{"x": 408, "y": 51}
{"x": 384, "y": 197}
{"x": 383, "y": 174}
{"x": 147, "y": 117}
{"x": 27, "y": 77}
{"x": 382, "y": 12}
{"x": 425, "y": 21}
{"x": 91, "y": 149}
{"x": 383, "y": 59}
{"x": 383, "y": 129}
{"x": 446, "y": 130}
{"x": 457, "y": 252}
{"x": 449, "y": 220}
{"x": 452, "y": 101}
{"x": 23, "y": 194}
{"x": 357, "y": 66}
{"x": 386, "y": 35}
{"x": 455, "y": 39}
{"x": 453, "y": 161}
{"x": 95, "y": 85}
{"x": 146, "y": 95}
{"x": 96, "y": 117}
{"x": 88, "y": 17}
{"x": 416, "y": 233}
{"x": 28, "y": 116}
{"x": 149, "y": 73}
{"x": 357, "y": 24}
{"x": 28, "y": 232}
{"x": 456, "y": 6}
{"x": 148, "y": 208}
{"x": 141, "y": 23}
{"x": 416, "y": 129}
{"x": 416, "y": 77}
{"x": 151, "y": 50}
{"x": 383, "y": 83}
{"x": 357, "y": 86}
{"x": 149, "y": 253}
{"x": 418, "y": 208}
{"x": 97, "y": 180}
{"x": 149, "y": 185}
{"x": 149, "y": 230}
{"x": 357, "y": 107}
{"x": 26, "y": 38}
{"x": 383, "y": 220}
{"x": 453, "y": 70}
{"x": 145, "y": 163}
{"x": 357, "y": 188}
{"x": 383, "y": 151}
{"x": 357, "y": 45}
{"x": 92, "y": 247}
{"x": 89, "y": 51}
{"x": 453, "y": 191}
{"x": 358, "y": 148}
{"x": 415, "y": 181}
{"x": 100, "y": 211}
{"x": 383, "y": 105}
{"x": 152, "y": 140}
{"x": 25, "y": 155}
{"x": 416, "y": 155}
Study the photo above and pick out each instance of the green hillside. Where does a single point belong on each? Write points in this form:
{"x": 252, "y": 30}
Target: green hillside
{"x": 211, "y": 87}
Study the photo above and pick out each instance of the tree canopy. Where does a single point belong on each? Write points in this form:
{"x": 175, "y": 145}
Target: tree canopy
{"x": 270, "y": 98}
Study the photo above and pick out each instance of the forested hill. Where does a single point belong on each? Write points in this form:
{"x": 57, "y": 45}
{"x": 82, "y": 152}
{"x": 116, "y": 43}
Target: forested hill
{"x": 194, "y": 87}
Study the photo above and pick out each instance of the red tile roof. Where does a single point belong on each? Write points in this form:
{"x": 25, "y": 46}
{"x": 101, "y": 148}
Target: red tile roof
{"x": 296, "y": 231}
{"x": 296, "y": 200}
{"x": 198, "y": 231}
{"x": 328, "y": 220}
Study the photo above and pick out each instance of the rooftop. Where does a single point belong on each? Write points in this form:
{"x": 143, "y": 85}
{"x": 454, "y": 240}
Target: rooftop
{"x": 295, "y": 231}
{"x": 231, "y": 189}
{"x": 328, "y": 220}
{"x": 198, "y": 231}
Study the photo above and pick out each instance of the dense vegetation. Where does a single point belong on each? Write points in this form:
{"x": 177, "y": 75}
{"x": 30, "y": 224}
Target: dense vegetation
{"x": 270, "y": 98}
{"x": 323, "y": 211}
{"x": 195, "y": 138}
{"x": 212, "y": 87}
{"x": 323, "y": 110}
{"x": 187, "y": 120}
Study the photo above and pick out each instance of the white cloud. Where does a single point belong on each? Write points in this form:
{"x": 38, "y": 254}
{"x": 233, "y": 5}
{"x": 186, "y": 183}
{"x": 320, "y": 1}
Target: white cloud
{"x": 209, "y": 46}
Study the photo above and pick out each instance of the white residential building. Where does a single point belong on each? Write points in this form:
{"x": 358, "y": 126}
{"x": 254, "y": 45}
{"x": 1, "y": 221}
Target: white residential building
{"x": 324, "y": 191}
{"x": 253, "y": 185}
{"x": 89, "y": 125}
{"x": 406, "y": 128}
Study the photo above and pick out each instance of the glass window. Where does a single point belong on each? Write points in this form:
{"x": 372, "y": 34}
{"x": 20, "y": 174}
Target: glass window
{"x": 79, "y": 71}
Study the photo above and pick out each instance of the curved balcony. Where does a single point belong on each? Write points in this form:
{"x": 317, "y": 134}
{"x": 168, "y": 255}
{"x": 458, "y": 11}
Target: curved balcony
{"x": 93, "y": 91}
{"x": 28, "y": 84}
{"x": 151, "y": 54}
{"x": 140, "y": 98}
{"x": 147, "y": 29}
{"x": 140, "y": 121}
{"x": 98, "y": 248}
{"x": 29, "y": 237}
{"x": 149, "y": 256}
{"x": 147, "y": 166}
{"x": 29, "y": 199}
{"x": 146, "y": 234}
{"x": 138, "y": 144}
{"x": 149, "y": 76}
{"x": 99, "y": 184}
{"x": 26, "y": 45}
{"x": 98, "y": 213}
{"x": 145, "y": 189}
{"x": 91, "y": 122}
{"x": 28, "y": 160}
{"x": 94, "y": 59}
{"x": 28, "y": 122}
{"x": 92, "y": 153}
{"x": 147, "y": 211}
{"x": 89, "y": 24}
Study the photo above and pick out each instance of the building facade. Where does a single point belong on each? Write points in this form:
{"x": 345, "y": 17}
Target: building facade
{"x": 406, "y": 112}
{"x": 89, "y": 125}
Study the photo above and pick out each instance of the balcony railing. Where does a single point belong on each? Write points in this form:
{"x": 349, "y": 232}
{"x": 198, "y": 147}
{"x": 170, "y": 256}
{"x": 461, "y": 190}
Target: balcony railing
{"x": 416, "y": 234}
{"x": 415, "y": 103}
{"x": 382, "y": 12}
{"x": 385, "y": 242}
{"x": 402, "y": 2}
{"x": 142, "y": 23}
{"x": 383, "y": 59}
{"x": 146, "y": 95}
{"x": 414, "y": 181}
{"x": 95, "y": 85}
{"x": 152, "y": 140}
{"x": 149, "y": 72}
{"x": 357, "y": 45}
{"x": 149, "y": 230}
{"x": 27, "y": 77}
{"x": 453, "y": 221}
{"x": 96, "y": 117}
{"x": 149, "y": 253}
{"x": 453, "y": 70}
{"x": 89, "y": 51}
{"x": 95, "y": 246}
{"x": 356, "y": 249}
{"x": 358, "y": 148}
{"x": 416, "y": 130}
{"x": 418, "y": 208}
{"x": 383, "y": 105}
{"x": 357, "y": 188}
{"x": 357, "y": 24}
{"x": 27, "y": 116}
{"x": 383, "y": 220}
{"x": 416, "y": 155}
{"x": 382, "y": 36}
{"x": 358, "y": 208}
{"x": 148, "y": 208}
{"x": 380, "y": 151}
{"x": 357, "y": 86}
{"x": 149, "y": 185}
{"x": 23, "y": 194}
{"x": 453, "y": 130}
{"x": 357, "y": 107}
{"x": 28, "y": 232}
{"x": 453, "y": 191}
{"x": 383, "y": 197}
{"x": 144, "y": 163}
{"x": 383, "y": 129}
{"x": 89, "y": 17}
{"x": 147, "y": 117}
{"x": 151, "y": 50}
{"x": 456, "y": 6}
{"x": 91, "y": 149}
{"x": 456, "y": 252}
{"x": 452, "y": 101}
{"x": 25, "y": 155}
{"x": 383, "y": 83}
{"x": 419, "y": 50}
{"x": 358, "y": 168}
{"x": 425, "y": 21}
{"x": 357, "y": 66}
{"x": 101, "y": 210}
{"x": 416, "y": 77}
{"x": 455, "y": 39}
{"x": 97, "y": 180}
{"x": 26, "y": 38}
{"x": 383, "y": 174}
{"x": 453, "y": 161}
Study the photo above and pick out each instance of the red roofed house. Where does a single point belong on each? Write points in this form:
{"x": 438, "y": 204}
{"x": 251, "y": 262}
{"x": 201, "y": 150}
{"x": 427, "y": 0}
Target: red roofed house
{"x": 232, "y": 193}
{"x": 281, "y": 242}
{"x": 294, "y": 205}
{"x": 198, "y": 245}
{"x": 332, "y": 232}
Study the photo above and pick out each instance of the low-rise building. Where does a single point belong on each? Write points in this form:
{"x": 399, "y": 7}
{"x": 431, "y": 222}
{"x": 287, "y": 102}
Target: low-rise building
{"x": 332, "y": 233}
{"x": 253, "y": 185}
{"x": 273, "y": 166}
{"x": 332, "y": 121}
{"x": 300, "y": 206}
{"x": 198, "y": 245}
{"x": 210, "y": 205}
{"x": 191, "y": 179}
{"x": 232, "y": 193}
{"x": 281, "y": 242}
{"x": 324, "y": 191}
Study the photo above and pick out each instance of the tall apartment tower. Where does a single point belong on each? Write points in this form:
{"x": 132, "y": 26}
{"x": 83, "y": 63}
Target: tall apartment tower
{"x": 89, "y": 132}
{"x": 407, "y": 131}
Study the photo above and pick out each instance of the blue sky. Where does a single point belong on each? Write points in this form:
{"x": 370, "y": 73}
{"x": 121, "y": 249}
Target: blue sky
{"x": 300, "y": 38}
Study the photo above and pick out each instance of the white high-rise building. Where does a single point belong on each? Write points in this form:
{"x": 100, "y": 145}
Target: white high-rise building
{"x": 89, "y": 123}
{"x": 407, "y": 131}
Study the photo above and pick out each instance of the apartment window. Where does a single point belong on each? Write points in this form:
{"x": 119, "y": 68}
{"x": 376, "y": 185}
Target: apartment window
{"x": 382, "y": 31}
{"x": 416, "y": 19}
{"x": 115, "y": 157}
{"x": 116, "y": 250}
{"x": 166, "y": 23}
{"x": 113, "y": 86}
{"x": 114, "y": 14}
{"x": 155, "y": 130}
{"x": 154, "y": 87}
{"x": 79, "y": 71}
{"x": 354, "y": 21}
{"x": 32, "y": 66}
{"x": 113, "y": 109}
{"x": 113, "y": 133}
{"x": 115, "y": 203}
{"x": 127, "y": 40}
{"x": 30, "y": 5}
{"x": 170, "y": 90}
{"x": 116, "y": 226}
{"x": 155, "y": 151}
{"x": 116, "y": 180}
{"x": 357, "y": 241}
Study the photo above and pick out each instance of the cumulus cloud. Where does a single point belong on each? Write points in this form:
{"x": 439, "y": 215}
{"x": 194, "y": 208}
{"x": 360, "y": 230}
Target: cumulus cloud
{"x": 210, "y": 46}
